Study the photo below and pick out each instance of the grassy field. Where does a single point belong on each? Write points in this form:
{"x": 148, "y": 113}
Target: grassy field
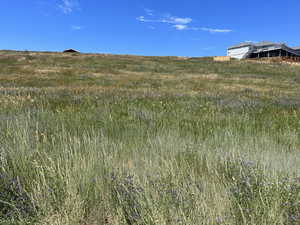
{"x": 105, "y": 139}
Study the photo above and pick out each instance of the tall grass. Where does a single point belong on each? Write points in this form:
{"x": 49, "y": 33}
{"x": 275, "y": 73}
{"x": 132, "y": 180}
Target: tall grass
{"x": 88, "y": 156}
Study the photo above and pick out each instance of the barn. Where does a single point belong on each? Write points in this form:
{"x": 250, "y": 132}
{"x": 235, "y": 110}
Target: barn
{"x": 262, "y": 50}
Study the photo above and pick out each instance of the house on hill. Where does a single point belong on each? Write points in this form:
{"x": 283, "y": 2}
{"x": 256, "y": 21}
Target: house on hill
{"x": 261, "y": 50}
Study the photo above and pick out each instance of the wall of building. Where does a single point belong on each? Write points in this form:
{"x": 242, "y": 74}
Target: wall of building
{"x": 238, "y": 53}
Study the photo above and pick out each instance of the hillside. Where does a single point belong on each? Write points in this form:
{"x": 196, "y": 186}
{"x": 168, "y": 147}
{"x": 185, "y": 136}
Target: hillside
{"x": 142, "y": 74}
{"x": 94, "y": 139}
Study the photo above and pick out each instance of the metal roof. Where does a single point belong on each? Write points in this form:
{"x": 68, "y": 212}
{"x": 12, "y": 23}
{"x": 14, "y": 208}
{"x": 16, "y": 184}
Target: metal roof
{"x": 265, "y": 43}
{"x": 243, "y": 44}
{"x": 259, "y": 44}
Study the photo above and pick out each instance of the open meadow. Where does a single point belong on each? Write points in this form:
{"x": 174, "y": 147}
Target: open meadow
{"x": 90, "y": 139}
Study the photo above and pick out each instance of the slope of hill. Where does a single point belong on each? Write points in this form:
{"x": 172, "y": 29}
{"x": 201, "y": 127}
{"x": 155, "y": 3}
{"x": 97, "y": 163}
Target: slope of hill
{"x": 115, "y": 139}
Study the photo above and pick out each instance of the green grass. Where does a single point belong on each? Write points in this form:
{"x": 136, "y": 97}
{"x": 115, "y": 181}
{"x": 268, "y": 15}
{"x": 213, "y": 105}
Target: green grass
{"x": 106, "y": 139}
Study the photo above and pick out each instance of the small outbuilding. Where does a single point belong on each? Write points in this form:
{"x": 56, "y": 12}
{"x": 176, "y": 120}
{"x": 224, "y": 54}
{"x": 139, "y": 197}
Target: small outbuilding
{"x": 222, "y": 58}
{"x": 70, "y": 51}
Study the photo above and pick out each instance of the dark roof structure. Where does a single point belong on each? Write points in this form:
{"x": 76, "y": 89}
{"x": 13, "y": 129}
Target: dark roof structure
{"x": 70, "y": 51}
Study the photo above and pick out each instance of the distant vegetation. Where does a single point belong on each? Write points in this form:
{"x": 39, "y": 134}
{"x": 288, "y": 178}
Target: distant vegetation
{"x": 106, "y": 139}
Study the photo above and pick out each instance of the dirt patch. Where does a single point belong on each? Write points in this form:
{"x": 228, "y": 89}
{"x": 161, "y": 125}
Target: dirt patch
{"x": 239, "y": 87}
{"x": 48, "y": 70}
{"x": 21, "y": 59}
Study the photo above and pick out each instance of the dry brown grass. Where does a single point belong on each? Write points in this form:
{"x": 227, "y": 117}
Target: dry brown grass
{"x": 90, "y": 73}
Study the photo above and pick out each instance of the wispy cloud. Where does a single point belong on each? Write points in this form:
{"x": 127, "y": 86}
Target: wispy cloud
{"x": 179, "y": 23}
{"x": 213, "y": 30}
{"x": 210, "y": 30}
{"x": 166, "y": 19}
{"x": 68, "y": 6}
{"x": 180, "y": 27}
{"x": 141, "y": 19}
{"x": 150, "y": 17}
{"x": 75, "y": 27}
{"x": 178, "y": 20}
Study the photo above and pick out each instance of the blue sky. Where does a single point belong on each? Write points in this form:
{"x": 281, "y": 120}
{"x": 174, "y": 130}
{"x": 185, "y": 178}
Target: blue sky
{"x": 146, "y": 27}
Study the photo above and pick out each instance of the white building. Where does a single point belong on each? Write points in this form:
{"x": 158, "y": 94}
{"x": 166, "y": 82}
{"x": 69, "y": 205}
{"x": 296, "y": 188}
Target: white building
{"x": 261, "y": 50}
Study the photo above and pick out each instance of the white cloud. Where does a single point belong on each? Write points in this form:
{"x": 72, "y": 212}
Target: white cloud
{"x": 213, "y": 31}
{"x": 210, "y": 30}
{"x": 178, "y": 20}
{"x": 68, "y": 6}
{"x": 179, "y": 23}
{"x": 75, "y": 27}
{"x": 141, "y": 19}
{"x": 165, "y": 19}
{"x": 180, "y": 27}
